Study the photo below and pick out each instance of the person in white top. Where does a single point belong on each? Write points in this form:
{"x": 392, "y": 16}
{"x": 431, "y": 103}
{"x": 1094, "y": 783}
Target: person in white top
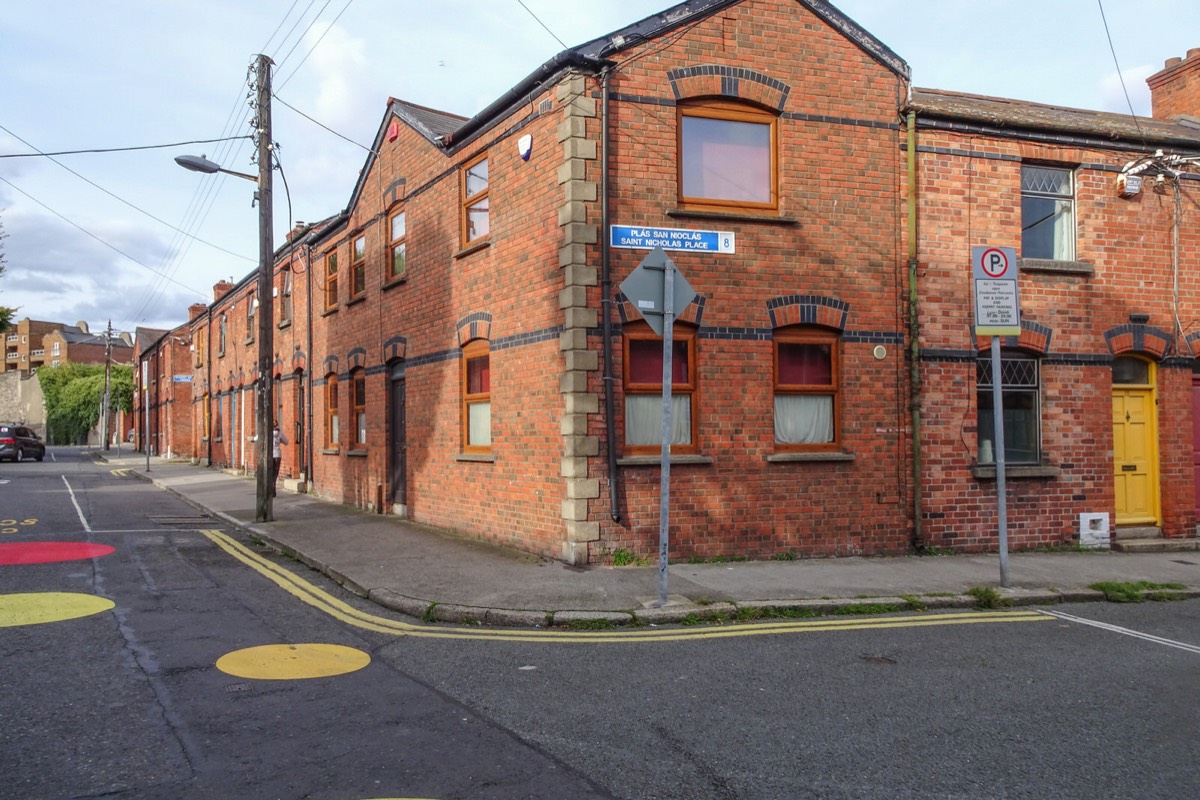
{"x": 277, "y": 439}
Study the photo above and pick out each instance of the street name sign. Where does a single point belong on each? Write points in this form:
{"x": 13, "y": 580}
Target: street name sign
{"x": 647, "y": 238}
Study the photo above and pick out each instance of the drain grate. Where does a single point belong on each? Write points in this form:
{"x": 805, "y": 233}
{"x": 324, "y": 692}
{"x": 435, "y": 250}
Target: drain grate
{"x": 192, "y": 521}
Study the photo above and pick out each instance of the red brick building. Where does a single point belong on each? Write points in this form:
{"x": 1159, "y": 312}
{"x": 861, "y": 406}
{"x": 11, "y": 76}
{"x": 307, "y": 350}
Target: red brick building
{"x": 455, "y": 348}
{"x": 1098, "y": 386}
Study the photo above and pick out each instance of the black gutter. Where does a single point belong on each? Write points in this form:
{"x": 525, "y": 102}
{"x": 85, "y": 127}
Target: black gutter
{"x": 614, "y": 481}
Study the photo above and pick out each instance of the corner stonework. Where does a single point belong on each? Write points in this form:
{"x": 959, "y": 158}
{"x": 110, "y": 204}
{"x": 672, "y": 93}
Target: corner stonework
{"x": 579, "y": 196}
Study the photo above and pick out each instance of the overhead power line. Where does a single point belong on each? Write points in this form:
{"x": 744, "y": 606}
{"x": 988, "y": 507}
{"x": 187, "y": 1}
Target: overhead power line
{"x": 111, "y": 149}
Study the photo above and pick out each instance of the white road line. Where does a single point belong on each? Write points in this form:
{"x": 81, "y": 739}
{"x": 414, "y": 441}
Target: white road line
{"x": 1191, "y": 648}
{"x": 75, "y": 503}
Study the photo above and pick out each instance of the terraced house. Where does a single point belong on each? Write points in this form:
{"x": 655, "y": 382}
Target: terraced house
{"x": 456, "y": 348}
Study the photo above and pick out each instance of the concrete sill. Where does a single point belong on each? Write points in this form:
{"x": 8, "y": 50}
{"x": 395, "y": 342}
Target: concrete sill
{"x": 478, "y": 458}
{"x": 329, "y": 311}
{"x": 785, "y": 458}
{"x": 696, "y": 213}
{"x": 353, "y": 301}
{"x": 356, "y": 454}
{"x": 988, "y": 472}
{"x": 655, "y": 461}
{"x": 331, "y": 451}
{"x": 394, "y": 282}
{"x": 473, "y": 248}
{"x": 1058, "y": 267}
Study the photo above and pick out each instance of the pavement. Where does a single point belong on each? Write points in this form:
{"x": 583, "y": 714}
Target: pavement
{"x": 438, "y": 576}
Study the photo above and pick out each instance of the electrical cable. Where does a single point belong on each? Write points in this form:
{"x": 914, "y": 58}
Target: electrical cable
{"x": 544, "y": 25}
{"x": 111, "y": 149}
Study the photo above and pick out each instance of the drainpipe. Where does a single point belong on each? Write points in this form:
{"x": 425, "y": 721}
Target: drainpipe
{"x": 308, "y": 395}
{"x": 208, "y": 384}
{"x": 914, "y": 331}
{"x": 606, "y": 305}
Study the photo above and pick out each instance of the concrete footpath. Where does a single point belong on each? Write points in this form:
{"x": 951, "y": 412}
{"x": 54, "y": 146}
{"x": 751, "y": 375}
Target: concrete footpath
{"x": 438, "y": 576}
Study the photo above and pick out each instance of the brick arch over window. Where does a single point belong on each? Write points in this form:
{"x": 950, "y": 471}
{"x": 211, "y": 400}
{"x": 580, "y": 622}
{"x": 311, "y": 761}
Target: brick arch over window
{"x": 477, "y": 325}
{"x": 330, "y": 365}
{"x": 1193, "y": 343}
{"x": 693, "y": 314}
{"x": 732, "y": 83}
{"x": 808, "y": 309}
{"x": 1137, "y": 338}
{"x": 356, "y": 358}
{"x": 299, "y": 361}
{"x": 1034, "y": 338}
{"x": 395, "y": 348}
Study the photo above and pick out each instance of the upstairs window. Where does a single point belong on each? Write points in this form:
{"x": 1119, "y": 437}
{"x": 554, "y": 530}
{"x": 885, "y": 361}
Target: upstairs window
{"x": 251, "y": 308}
{"x": 397, "y": 246}
{"x": 806, "y": 390}
{"x": 198, "y": 340}
{"x": 358, "y": 267}
{"x": 1047, "y": 213}
{"x": 285, "y": 299}
{"x": 358, "y": 405}
{"x": 1020, "y": 390}
{"x": 475, "y": 213}
{"x": 331, "y": 281}
{"x": 222, "y": 330}
{"x": 644, "y": 390}
{"x": 727, "y": 157}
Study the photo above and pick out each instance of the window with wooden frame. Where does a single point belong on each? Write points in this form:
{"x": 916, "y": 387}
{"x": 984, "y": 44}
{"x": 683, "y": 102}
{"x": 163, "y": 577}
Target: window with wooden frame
{"x": 332, "y": 432}
{"x": 728, "y": 157}
{"x": 222, "y": 331}
{"x": 331, "y": 281}
{"x": 358, "y": 406}
{"x": 251, "y": 309}
{"x": 285, "y": 298}
{"x": 198, "y": 347}
{"x": 219, "y": 422}
{"x": 207, "y": 432}
{"x": 477, "y": 397}
{"x": 643, "y": 357}
{"x": 358, "y": 267}
{"x": 807, "y": 376}
{"x": 475, "y": 214}
{"x": 396, "y": 246}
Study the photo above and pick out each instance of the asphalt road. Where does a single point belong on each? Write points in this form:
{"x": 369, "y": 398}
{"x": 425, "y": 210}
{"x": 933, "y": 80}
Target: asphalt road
{"x": 128, "y": 702}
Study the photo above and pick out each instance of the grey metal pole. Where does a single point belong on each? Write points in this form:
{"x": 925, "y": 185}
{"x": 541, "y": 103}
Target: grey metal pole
{"x": 998, "y": 436}
{"x": 263, "y": 510}
{"x": 664, "y": 501}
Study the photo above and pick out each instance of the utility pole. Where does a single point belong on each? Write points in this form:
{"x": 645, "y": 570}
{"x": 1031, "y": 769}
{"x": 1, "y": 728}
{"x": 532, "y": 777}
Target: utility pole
{"x": 107, "y": 404}
{"x": 263, "y": 510}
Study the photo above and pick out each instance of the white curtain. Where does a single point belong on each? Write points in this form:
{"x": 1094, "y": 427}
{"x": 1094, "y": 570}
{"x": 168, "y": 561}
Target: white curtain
{"x": 803, "y": 419}
{"x": 479, "y": 418}
{"x": 643, "y": 419}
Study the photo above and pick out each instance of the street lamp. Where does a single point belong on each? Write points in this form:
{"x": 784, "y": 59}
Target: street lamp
{"x": 264, "y": 491}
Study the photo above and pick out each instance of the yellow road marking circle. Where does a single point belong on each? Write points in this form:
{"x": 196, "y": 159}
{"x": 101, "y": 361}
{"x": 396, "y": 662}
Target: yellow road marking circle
{"x": 35, "y": 608}
{"x": 285, "y": 662}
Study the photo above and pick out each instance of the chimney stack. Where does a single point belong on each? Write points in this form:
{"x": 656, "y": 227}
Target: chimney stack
{"x": 220, "y": 289}
{"x": 196, "y": 310}
{"x": 1175, "y": 90}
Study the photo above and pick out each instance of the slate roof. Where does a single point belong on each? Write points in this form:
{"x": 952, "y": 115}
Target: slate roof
{"x": 997, "y": 115}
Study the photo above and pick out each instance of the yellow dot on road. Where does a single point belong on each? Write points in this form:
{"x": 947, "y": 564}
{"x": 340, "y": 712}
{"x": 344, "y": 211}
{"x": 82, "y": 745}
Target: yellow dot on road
{"x": 285, "y": 662}
{"x": 35, "y": 608}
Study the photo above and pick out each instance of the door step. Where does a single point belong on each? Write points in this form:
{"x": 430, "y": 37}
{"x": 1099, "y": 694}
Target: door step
{"x": 1137, "y": 532}
{"x": 1156, "y": 545}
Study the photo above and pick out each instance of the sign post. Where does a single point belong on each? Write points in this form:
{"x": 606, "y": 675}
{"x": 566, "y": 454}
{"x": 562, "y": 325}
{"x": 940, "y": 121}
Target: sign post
{"x": 997, "y": 313}
{"x": 657, "y": 289}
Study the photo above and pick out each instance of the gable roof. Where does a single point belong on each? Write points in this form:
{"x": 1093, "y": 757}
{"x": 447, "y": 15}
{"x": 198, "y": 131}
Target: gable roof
{"x": 450, "y": 132}
{"x": 998, "y": 116}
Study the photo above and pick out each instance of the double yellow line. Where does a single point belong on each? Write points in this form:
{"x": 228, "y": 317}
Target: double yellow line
{"x": 323, "y": 601}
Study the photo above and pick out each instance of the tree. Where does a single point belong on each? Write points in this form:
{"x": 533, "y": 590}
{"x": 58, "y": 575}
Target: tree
{"x": 74, "y": 395}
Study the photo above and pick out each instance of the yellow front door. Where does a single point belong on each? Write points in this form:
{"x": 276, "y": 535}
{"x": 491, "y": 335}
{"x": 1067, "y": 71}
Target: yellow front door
{"x": 1135, "y": 460}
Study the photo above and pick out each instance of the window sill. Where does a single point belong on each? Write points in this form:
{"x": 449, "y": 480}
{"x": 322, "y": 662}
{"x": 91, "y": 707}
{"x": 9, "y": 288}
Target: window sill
{"x": 287, "y": 323}
{"x": 329, "y": 311}
{"x": 695, "y": 213}
{"x": 1056, "y": 267}
{"x": 356, "y": 454}
{"x": 331, "y": 451}
{"x": 249, "y": 340}
{"x": 353, "y": 301}
{"x": 988, "y": 472}
{"x": 394, "y": 282}
{"x": 654, "y": 461}
{"x": 831, "y": 455}
{"x": 473, "y": 248}
{"x": 479, "y": 458}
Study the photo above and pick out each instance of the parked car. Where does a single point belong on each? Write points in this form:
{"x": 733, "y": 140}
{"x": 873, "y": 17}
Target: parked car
{"x": 17, "y": 443}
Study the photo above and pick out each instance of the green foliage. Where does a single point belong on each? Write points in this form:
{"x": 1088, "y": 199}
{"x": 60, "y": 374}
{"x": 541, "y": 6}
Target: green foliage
{"x": 987, "y": 597}
{"x": 1138, "y": 591}
{"x": 74, "y": 394}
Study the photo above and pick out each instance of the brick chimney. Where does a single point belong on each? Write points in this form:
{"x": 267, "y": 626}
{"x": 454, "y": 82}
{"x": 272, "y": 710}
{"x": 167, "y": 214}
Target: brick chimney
{"x": 220, "y": 289}
{"x": 196, "y": 310}
{"x": 1175, "y": 90}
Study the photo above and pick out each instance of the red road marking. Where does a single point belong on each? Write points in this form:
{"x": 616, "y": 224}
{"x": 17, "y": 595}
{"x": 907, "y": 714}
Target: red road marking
{"x": 47, "y": 552}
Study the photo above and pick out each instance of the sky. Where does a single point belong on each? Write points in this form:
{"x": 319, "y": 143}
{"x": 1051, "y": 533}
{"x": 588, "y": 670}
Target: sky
{"x": 131, "y": 237}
